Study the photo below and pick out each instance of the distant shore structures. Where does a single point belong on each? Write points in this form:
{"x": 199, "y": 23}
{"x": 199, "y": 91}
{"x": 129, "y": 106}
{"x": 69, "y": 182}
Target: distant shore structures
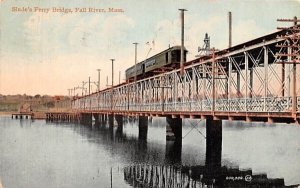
{"x": 22, "y": 115}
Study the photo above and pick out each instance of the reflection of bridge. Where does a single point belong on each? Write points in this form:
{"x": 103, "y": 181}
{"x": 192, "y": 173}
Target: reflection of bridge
{"x": 253, "y": 81}
{"x": 162, "y": 167}
{"x": 157, "y": 166}
{"x": 146, "y": 175}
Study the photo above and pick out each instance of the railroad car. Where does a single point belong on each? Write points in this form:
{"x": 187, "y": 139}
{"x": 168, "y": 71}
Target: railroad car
{"x": 167, "y": 58}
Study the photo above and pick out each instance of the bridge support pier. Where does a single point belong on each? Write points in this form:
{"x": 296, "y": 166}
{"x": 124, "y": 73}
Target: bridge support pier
{"x": 86, "y": 119}
{"x": 111, "y": 120}
{"x": 119, "y": 119}
{"x": 213, "y": 145}
{"x": 143, "y": 127}
{"x": 173, "y": 129}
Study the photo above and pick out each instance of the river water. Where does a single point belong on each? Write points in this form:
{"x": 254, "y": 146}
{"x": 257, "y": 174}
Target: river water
{"x": 36, "y": 154}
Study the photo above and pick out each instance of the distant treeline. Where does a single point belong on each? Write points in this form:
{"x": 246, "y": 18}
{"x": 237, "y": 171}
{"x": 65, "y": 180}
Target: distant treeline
{"x": 37, "y": 102}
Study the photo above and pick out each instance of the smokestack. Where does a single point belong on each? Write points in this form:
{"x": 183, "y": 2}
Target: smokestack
{"x": 230, "y": 29}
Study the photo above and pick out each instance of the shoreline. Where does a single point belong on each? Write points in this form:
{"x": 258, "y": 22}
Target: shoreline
{"x": 36, "y": 115}
{"x": 7, "y": 112}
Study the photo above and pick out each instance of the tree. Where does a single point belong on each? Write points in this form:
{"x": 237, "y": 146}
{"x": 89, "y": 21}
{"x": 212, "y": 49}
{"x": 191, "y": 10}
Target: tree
{"x": 37, "y": 96}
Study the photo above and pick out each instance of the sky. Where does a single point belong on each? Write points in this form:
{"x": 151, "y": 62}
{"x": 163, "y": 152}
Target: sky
{"x": 48, "y": 47}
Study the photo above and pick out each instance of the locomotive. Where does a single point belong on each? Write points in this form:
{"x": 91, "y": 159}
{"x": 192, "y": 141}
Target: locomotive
{"x": 167, "y": 58}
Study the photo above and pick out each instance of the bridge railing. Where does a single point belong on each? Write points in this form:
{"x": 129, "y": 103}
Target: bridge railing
{"x": 258, "y": 104}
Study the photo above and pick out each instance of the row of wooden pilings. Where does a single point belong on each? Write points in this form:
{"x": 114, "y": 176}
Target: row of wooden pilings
{"x": 62, "y": 117}
{"x": 115, "y": 120}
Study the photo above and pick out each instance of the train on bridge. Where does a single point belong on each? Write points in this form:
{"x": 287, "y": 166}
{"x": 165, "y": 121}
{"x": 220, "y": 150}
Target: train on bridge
{"x": 167, "y": 59}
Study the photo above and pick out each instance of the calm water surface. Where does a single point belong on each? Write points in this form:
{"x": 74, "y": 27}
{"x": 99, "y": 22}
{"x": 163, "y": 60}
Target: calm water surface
{"x": 36, "y": 154}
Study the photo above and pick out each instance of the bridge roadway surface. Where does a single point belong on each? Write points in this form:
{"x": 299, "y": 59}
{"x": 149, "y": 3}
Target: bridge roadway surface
{"x": 253, "y": 81}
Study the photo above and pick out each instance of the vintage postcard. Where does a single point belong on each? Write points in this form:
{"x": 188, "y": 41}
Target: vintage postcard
{"x": 131, "y": 93}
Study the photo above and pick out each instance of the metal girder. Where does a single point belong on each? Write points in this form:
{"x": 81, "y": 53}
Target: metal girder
{"x": 245, "y": 80}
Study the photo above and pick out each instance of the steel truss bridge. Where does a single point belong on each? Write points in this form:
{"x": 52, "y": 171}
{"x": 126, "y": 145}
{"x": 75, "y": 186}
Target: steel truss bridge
{"x": 253, "y": 81}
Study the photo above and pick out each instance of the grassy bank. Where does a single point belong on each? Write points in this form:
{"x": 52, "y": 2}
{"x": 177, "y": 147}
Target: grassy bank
{"x": 9, "y": 106}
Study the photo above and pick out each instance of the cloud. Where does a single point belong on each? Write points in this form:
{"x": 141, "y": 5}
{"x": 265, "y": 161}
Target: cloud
{"x": 168, "y": 32}
{"x": 245, "y": 31}
{"x": 54, "y": 76}
{"x": 50, "y": 35}
{"x": 66, "y": 46}
{"x": 197, "y": 29}
{"x": 45, "y": 34}
{"x": 117, "y": 26}
{"x": 98, "y": 32}
{"x": 74, "y": 45}
{"x": 48, "y": 77}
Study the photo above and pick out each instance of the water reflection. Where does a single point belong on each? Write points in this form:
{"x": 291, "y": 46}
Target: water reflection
{"x": 174, "y": 174}
{"x": 38, "y": 154}
{"x": 146, "y": 175}
{"x": 167, "y": 170}
{"x": 25, "y": 122}
{"x": 161, "y": 165}
{"x": 173, "y": 152}
{"x": 114, "y": 139}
